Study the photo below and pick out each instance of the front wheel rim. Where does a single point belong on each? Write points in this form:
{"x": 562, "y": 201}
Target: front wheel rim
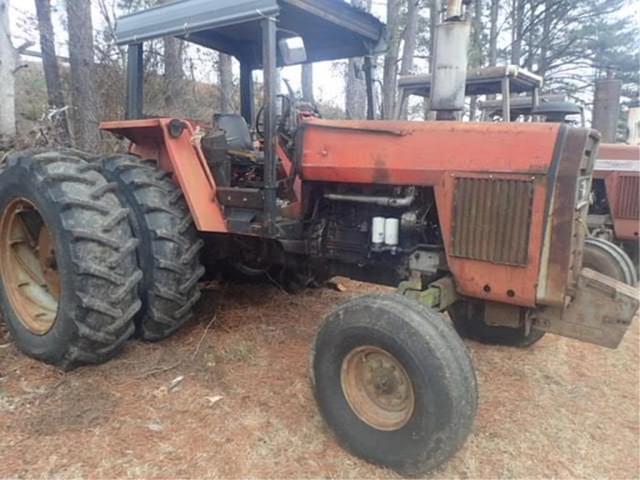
{"x": 377, "y": 388}
{"x": 28, "y": 266}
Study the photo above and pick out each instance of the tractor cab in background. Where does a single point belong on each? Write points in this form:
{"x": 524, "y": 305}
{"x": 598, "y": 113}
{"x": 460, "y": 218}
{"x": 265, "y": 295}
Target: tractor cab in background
{"x": 517, "y": 91}
{"x": 552, "y": 108}
{"x": 519, "y": 88}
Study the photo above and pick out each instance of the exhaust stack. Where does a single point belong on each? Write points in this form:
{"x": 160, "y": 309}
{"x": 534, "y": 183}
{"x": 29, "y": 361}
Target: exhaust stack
{"x": 450, "y": 63}
{"x": 454, "y": 9}
{"x": 606, "y": 108}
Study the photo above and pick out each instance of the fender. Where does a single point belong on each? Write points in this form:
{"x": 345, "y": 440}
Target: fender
{"x": 180, "y": 155}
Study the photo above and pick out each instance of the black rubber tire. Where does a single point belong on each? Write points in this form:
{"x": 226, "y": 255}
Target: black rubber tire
{"x": 289, "y": 280}
{"x": 610, "y": 260}
{"x": 436, "y": 361}
{"x": 95, "y": 254}
{"x": 169, "y": 250}
{"x": 294, "y": 281}
{"x": 241, "y": 273}
{"x": 468, "y": 320}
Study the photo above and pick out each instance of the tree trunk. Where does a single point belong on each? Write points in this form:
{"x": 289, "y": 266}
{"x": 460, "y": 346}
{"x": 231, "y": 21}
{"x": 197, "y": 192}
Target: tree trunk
{"x": 493, "y": 37}
{"x": 408, "y": 51}
{"x": 173, "y": 72}
{"x": 435, "y": 8}
{"x": 55, "y": 94}
{"x": 390, "y": 74}
{"x": 410, "y": 38}
{"x": 546, "y": 39}
{"x": 8, "y": 61}
{"x": 434, "y": 20}
{"x": 477, "y": 59}
{"x": 307, "y": 83}
{"x": 225, "y": 76}
{"x": 532, "y": 40}
{"x": 355, "y": 89}
{"x": 517, "y": 14}
{"x": 493, "y": 33}
{"x": 83, "y": 85}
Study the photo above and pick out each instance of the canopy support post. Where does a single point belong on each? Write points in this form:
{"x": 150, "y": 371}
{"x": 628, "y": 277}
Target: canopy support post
{"x": 270, "y": 134}
{"x": 368, "y": 73}
{"x": 135, "y": 82}
{"x": 246, "y": 92}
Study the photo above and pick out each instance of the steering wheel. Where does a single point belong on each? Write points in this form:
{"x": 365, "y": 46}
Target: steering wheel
{"x": 280, "y": 119}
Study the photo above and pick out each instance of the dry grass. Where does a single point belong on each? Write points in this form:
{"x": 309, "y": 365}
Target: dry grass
{"x": 562, "y": 409}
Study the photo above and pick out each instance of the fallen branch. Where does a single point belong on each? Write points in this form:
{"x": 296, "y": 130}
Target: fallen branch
{"x": 206, "y": 330}
{"x": 158, "y": 370}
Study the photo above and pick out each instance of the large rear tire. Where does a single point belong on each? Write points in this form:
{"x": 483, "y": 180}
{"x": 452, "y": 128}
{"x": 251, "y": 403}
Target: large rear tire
{"x": 468, "y": 319}
{"x": 610, "y": 260}
{"x": 67, "y": 259}
{"x": 394, "y": 382}
{"x": 169, "y": 250}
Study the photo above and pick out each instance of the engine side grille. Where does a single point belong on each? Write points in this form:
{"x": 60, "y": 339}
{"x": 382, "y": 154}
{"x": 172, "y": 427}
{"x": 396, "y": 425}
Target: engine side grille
{"x": 628, "y": 201}
{"x": 492, "y": 218}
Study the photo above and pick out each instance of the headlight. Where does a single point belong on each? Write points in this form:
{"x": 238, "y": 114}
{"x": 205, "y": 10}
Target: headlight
{"x": 583, "y": 192}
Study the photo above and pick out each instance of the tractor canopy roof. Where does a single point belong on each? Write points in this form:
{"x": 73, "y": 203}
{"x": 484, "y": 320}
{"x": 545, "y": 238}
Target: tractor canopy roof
{"x": 331, "y": 29}
{"x": 522, "y": 103}
{"x": 480, "y": 81}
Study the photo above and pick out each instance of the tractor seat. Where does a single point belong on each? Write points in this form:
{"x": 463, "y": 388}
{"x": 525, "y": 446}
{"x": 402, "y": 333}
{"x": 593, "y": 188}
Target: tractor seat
{"x": 235, "y": 129}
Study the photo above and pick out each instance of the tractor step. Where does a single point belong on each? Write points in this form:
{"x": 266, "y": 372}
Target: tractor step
{"x": 241, "y": 197}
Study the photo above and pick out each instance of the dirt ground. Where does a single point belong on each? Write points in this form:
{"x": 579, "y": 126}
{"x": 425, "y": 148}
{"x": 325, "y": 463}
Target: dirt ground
{"x": 229, "y": 397}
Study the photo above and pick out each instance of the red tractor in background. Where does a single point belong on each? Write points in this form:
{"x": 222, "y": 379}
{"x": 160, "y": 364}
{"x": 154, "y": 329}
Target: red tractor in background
{"x": 484, "y": 221}
{"x": 613, "y": 222}
{"x": 615, "y": 212}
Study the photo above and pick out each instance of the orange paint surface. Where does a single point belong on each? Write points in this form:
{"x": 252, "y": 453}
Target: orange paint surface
{"x": 617, "y": 162}
{"x": 150, "y": 139}
{"x": 393, "y": 153}
{"x": 419, "y": 153}
{"x": 431, "y": 154}
{"x": 472, "y": 276}
{"x": 618, "y": 151}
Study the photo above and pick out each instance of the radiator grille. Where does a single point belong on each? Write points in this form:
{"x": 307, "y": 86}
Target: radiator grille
{"x": 628, "y": 201}
{"x": 492, "y": 217}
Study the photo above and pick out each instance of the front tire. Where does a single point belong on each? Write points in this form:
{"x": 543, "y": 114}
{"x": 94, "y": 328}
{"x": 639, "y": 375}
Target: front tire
{"x": 169, "y": 250}
{"x": 67, "y": 259}
{"x": 610, "y": 260}
{"x": 394, "y": 382}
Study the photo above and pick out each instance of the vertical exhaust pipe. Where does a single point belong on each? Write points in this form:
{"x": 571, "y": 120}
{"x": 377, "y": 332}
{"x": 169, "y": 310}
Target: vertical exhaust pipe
{"x": 606, "y": 107}
{"x": 450, "y": 64}
{"x": 454, "y": 9}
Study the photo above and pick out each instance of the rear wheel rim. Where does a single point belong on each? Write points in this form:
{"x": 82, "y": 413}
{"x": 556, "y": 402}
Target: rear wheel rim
{"x": 377, "y": 388}
{"x": 28, "y": 266}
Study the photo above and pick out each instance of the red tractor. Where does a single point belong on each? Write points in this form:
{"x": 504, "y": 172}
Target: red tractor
{"x": 615, "y": 213}
{"x": 484, "y": 221}
{"x": 614, "y": 219}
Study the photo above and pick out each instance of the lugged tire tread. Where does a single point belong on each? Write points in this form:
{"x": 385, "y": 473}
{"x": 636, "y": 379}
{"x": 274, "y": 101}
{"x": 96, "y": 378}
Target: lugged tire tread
{"x": 424, "y": 325}
{"x": 72, "y": 202}
{"x": 125, "y": 251}
{"x": 106, "y": 297}
{"x": 103, "y": 189}
{"x": 170, "y": 261}
{"x": 93, "y": 236}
